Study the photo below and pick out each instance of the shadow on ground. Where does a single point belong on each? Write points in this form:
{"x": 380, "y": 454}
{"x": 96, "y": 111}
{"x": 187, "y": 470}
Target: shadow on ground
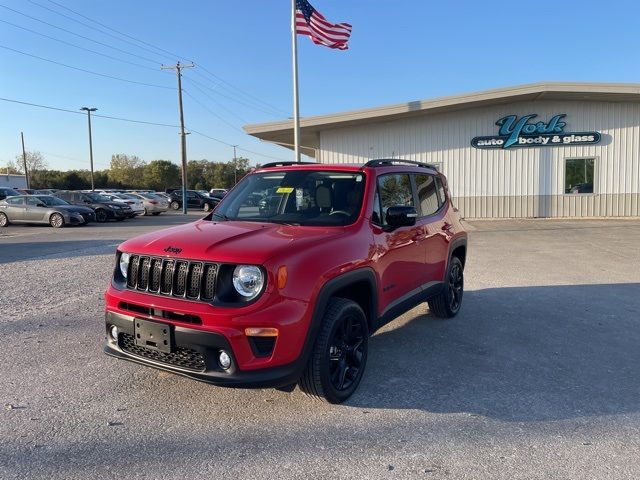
{"x": 514, "y": 354}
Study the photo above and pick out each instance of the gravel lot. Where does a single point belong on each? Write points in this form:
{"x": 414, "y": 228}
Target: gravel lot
{"x": 538, "y": 377}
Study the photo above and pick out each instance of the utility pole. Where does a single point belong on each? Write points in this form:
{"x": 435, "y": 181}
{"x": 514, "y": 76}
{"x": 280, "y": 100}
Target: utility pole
{"x": 89, "y": 110}
{"x": 183, "y": 136}
{"x": 235, "y": 166}
{"x": 24, "y": 160}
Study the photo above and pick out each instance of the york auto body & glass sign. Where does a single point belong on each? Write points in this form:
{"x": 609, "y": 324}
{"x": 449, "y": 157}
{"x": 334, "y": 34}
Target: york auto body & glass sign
{"x": 525, "y": 132}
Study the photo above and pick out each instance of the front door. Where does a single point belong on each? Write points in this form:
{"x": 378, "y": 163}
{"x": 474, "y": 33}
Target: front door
{"x": 399, "y": 252}
{"x": 33, "y": 212}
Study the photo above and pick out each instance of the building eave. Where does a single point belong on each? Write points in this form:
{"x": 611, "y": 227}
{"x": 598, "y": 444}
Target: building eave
{"x": 281, "y": 132}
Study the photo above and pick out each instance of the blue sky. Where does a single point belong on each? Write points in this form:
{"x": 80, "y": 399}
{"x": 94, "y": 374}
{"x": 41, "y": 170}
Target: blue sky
{"x": 400, "y": 50}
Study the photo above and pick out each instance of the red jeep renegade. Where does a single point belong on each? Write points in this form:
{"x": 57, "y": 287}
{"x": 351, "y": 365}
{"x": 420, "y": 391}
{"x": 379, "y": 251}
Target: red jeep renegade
{"x": 286, "y": 280}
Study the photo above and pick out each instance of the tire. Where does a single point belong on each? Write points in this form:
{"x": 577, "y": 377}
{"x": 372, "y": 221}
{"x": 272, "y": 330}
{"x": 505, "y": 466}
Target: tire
{"x": 329, "y": 375}
{"x": 101, "y": 216}
{"x": 175, "y": 205}
{"x": 56, "y": 220}
{"x": 4, "y": 221}
{"x": 155, "y": 214}
{"x": 448, "y": 302}
{"x": 206, "y": 207}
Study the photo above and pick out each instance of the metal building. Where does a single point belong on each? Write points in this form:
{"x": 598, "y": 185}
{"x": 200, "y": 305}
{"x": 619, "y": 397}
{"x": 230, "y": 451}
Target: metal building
{"x": 540, "y": 150}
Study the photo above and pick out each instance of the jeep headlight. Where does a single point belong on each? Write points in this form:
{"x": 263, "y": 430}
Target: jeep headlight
{"x": 124, "y": 264}
{"x": 248, "y": 280}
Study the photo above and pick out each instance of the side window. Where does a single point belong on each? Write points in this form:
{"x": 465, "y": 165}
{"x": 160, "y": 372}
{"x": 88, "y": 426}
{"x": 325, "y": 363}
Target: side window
{"x": 33, "y": 201}
{"x": 79, "y": 198}
{"x": 442, "y": 194}
{"x": 427, "y": 194}
{"x": 16, "y": 201}
{"x": 394, "y": 190}
{"x": 191, "y": 195}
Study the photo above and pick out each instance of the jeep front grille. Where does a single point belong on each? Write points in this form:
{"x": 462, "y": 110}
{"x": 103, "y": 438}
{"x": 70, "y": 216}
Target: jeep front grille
{"x": 173, "y": 278}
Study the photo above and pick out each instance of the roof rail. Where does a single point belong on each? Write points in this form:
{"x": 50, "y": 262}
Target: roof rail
{"x": 385, "y": 162}
{"x": 285, "y": 164}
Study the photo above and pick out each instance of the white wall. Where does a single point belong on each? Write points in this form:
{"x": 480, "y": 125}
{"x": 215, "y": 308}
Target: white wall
{"x": 517, "y": 172}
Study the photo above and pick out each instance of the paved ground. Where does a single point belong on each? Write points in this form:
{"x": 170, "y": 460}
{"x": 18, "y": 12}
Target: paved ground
{"x": 538, "y": 377}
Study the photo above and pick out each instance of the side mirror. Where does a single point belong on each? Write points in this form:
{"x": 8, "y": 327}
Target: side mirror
{"x": 401, "y": 216}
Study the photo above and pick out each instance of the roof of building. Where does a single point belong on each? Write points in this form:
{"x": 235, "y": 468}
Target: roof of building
{"x": 281, "y": 132}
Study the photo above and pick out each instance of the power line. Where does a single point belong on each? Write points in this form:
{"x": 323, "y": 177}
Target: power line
{"x": 116, "y": 31}
{"x": 218, "y": 104}
{"x": 80, "y": 113}
{"x": 241, "y": 102}
{"x": 217, "y": 78}
{"x": 231, "y": 145}
{"x": 93, "y": 28}
{"x": 155, "y": 62}
{"x": 222, "y": 80}
{"x": 85, "y": 70}
{"x": 211, "y": 111}
{"x": 66, "y": 110}
{"x": 79, "y": 47}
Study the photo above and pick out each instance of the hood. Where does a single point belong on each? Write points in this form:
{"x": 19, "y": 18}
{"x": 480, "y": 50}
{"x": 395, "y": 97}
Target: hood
{"x": 231, "y": 241}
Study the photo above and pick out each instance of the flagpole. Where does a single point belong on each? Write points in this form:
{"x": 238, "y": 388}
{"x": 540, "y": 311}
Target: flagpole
{"x": 296, "y": 105}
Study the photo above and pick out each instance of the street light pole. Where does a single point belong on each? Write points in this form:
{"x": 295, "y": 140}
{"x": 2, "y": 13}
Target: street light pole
{"x": 89, "y": 110}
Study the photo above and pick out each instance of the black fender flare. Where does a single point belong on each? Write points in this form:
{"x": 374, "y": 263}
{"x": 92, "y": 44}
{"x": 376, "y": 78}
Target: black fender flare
{"x": 458, "y": 242}
{"x": 328, "y": 290}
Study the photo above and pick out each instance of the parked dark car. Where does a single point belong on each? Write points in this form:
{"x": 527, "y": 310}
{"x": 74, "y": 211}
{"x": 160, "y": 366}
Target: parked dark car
{"x": 104, "y": 208}
{"x": 43, "y": 209}
{"x": 194, "y": 200}
{"x": 7, "y": 192}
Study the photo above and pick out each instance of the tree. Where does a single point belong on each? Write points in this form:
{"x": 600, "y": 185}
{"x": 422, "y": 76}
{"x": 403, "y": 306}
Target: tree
{"x": 35, "y": 161}
{"x": 127, "y": 170}
{"x": 161, "y": 174}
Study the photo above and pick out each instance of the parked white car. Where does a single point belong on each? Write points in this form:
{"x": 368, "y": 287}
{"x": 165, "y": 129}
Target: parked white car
{"x": 137, "y": 206}
{"x": 153, "y": 204}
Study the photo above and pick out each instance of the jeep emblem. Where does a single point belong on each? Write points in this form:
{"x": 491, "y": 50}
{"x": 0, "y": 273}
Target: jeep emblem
{"x": 171, "y": 249}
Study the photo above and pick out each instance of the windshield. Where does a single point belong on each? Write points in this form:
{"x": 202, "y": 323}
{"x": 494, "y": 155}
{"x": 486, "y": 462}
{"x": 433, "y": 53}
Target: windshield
{"x": 51, "y": 201}
{"x": 298, "y": 197}
{"x": 96, "y": 197}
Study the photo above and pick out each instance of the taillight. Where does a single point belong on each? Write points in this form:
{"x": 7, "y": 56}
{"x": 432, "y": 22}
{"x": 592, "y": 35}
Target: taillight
{"x": 153, "y": 202}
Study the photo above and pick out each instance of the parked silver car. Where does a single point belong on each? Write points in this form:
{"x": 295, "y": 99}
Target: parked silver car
{"x": 153, "y": 204}
{"x": 43, "y": 209}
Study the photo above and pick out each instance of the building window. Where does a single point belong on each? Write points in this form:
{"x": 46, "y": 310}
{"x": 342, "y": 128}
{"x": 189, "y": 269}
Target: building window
{"x": 427, "y": 194}
{"x": 394, "y": 190}
{"x": 579, "y": 175}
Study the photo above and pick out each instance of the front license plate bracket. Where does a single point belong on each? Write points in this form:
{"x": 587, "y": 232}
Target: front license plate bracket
{"x": 153, "y": 335}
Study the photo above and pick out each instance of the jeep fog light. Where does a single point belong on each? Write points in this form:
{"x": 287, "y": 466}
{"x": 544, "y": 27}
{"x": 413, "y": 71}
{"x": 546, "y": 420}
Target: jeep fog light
{"x": 224, "y": 360}
{"x": 248, "y": 280}
{"x": 124, "y": 264}
{"x": 113, "y": 333}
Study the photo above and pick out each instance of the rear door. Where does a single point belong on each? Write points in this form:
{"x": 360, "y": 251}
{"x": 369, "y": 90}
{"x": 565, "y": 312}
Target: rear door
{"x": 15, "y": 209}
{"x": 193, "y": 200}
{"x": 432, "y": 219}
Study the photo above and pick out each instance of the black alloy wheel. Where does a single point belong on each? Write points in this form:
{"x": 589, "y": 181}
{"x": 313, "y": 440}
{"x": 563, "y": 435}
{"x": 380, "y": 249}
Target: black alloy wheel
{"x": 448, "y": 302}
{"x": 101, "y": 215}
{"x": 456, "y": 284}
{"x": 337, "y": 362}
{"x": 4, "y": 221}
{"x": 346, "y": 351}
{"x": 56, "y": 220}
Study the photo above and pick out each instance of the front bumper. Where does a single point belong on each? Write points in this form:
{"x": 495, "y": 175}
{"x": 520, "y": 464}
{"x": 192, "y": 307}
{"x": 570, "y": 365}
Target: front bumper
{"x": 203, "y": 349}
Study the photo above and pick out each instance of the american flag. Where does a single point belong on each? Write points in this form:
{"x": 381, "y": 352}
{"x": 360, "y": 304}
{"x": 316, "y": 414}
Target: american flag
{"x": 311, "y": 22}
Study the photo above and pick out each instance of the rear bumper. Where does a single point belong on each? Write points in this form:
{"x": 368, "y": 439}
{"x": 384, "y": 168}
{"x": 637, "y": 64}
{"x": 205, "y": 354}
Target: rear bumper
{"x": 203, "y": 345}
